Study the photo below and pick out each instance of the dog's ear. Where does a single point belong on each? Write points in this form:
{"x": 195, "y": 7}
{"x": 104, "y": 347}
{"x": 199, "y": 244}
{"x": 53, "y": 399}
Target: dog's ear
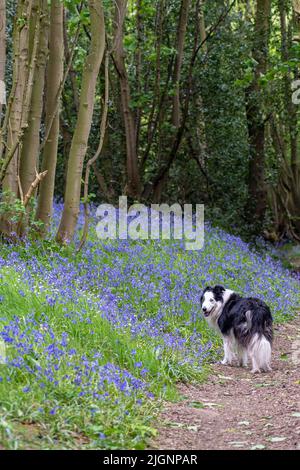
{"x": 203, "y": 292}
{"x": 218, "y": 292}
{"x": 218, "y": 289}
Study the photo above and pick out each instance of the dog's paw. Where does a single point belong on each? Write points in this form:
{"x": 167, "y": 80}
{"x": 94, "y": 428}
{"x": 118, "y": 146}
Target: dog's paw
{"x": 255, "y": 371}
{"x": 267, "y": 369}
{"x": 243, "y": 364}
{"x": 226, "y": 362}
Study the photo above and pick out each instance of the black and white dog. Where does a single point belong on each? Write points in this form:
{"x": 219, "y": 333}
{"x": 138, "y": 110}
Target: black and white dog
{"x": 245, "y": 325}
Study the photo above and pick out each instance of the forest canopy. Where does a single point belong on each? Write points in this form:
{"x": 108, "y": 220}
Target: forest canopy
{"x": 160, "y": 100}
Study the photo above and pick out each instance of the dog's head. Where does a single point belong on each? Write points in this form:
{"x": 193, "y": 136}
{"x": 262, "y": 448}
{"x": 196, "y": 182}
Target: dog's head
{"x": 211, "y": 300}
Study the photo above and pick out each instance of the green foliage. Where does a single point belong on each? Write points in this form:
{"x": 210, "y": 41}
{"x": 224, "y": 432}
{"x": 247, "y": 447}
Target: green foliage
{"x": 215, "y": 132}
{"x": 54, "y": 415}
{"x": 11, "y": 207}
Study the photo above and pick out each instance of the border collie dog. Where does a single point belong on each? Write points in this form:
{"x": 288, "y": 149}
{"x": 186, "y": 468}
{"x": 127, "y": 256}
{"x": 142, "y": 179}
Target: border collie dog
{"x": 245, "y": 325}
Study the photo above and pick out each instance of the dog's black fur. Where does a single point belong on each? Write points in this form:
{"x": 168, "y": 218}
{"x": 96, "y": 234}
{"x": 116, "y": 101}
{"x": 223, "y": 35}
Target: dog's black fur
{"x": 234, "y": 316}
{"x": 245, "y": 319}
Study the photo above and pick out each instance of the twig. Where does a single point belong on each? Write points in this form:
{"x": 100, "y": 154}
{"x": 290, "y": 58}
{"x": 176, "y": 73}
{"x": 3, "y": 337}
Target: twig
{"x": 25, "y": 200}
{"x": 38, "y": 178}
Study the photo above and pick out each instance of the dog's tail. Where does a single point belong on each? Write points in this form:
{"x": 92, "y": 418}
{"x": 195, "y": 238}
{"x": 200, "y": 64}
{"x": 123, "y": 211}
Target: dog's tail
{"x": 260, "y": 351}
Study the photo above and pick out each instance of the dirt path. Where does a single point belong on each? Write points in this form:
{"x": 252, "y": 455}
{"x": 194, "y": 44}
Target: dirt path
{"x": 236, "y": 410}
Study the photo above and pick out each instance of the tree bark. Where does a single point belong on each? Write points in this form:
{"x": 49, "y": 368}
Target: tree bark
{"x": 138, "y": 60}
{"x": 285, "y": 196}
{"x": 92, "y": 161}
{"x": 54, "y": 79}
{"x": 14, "y": 124}
{"x": 16, "y": 116}
{"x": 80, "y": 138}
{"x": 2, "y": 54}
{"x": 296, "y": 19}
{"x": 291, "y": 109}
{"x": 31, "y": 141}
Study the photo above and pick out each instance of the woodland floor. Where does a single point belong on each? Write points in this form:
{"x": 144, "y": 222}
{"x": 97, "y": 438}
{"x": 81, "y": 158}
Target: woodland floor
{"x": 237, "y": 410}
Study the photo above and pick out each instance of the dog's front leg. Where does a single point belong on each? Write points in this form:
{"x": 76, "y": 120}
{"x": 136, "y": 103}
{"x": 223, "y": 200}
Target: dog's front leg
{"x": 242, "y": 356}
{"x": 229, "y": 355}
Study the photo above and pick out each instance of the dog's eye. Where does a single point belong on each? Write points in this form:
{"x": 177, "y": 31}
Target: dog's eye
{"x": 211, "y": 300}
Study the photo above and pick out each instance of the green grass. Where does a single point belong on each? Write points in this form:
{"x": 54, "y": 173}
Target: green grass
{"x": 23, "y": 425}
{"x": 37, "y": 413}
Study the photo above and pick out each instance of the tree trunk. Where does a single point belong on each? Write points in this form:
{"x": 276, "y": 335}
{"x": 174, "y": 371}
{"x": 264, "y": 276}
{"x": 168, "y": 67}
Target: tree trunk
{"x": 158, "y": 98}
{"x": 257, "y": 199}
{"x": 31, "y": 141}
{"x": 138, "y": 60}
{"x": 15, "y": 121}
{"x": 296, "y": 19}
{"x": 133, "y": 177}
{"x": 14, "y": 129}
{"x": 2, "y": 54}
{"x": 80, "y": 138}
{"x": 285, "y": 196}
{"x": 54, "y": 78}
{"x": 291, "y": 109}
{"x": 183, "y": 17}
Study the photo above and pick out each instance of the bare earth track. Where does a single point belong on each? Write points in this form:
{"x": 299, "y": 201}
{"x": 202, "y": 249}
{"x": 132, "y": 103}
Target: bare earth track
{"x": 237, "y": 410}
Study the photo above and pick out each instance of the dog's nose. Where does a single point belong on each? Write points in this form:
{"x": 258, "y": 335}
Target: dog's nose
{"x": 204, "y": 309}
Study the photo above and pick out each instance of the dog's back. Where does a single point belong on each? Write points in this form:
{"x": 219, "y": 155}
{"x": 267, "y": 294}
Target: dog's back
{"x": 250, "y": 321}
{"x": 247, "y": 317}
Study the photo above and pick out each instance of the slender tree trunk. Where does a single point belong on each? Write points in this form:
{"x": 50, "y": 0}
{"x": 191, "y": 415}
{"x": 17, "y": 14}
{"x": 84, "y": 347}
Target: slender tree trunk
{"x": 2, "y": 54}
{"x": 285, "y": 196}
{"x": 139, "y": 27}
{"x": 291, "y": 109}
{"x": 16, "y": 116}
{"x": 157, "y": 100}
{"x": 133, "y": 177}
{"x": 183, "y": 17}
{"x": 80, "y": 138}
{"x": 92, "y": 161}
{"x": 14, "y": 125}
{"x": 31, "y": 141}
{"x": 296, "y": 19}
{"x": 257, "y": 200}
{"x": 54, "y": 79}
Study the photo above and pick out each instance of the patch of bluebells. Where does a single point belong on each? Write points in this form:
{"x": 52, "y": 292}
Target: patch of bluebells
{"x": 44, "y": 356}
{"x": 144, "y": 287}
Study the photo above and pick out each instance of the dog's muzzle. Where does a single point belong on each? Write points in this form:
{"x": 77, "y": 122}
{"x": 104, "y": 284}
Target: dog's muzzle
{"x": 206, "y": 312}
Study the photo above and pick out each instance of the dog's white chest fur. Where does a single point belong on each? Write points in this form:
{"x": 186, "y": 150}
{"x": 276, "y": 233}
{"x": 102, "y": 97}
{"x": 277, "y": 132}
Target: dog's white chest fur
{"x": 212, "y": 319}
